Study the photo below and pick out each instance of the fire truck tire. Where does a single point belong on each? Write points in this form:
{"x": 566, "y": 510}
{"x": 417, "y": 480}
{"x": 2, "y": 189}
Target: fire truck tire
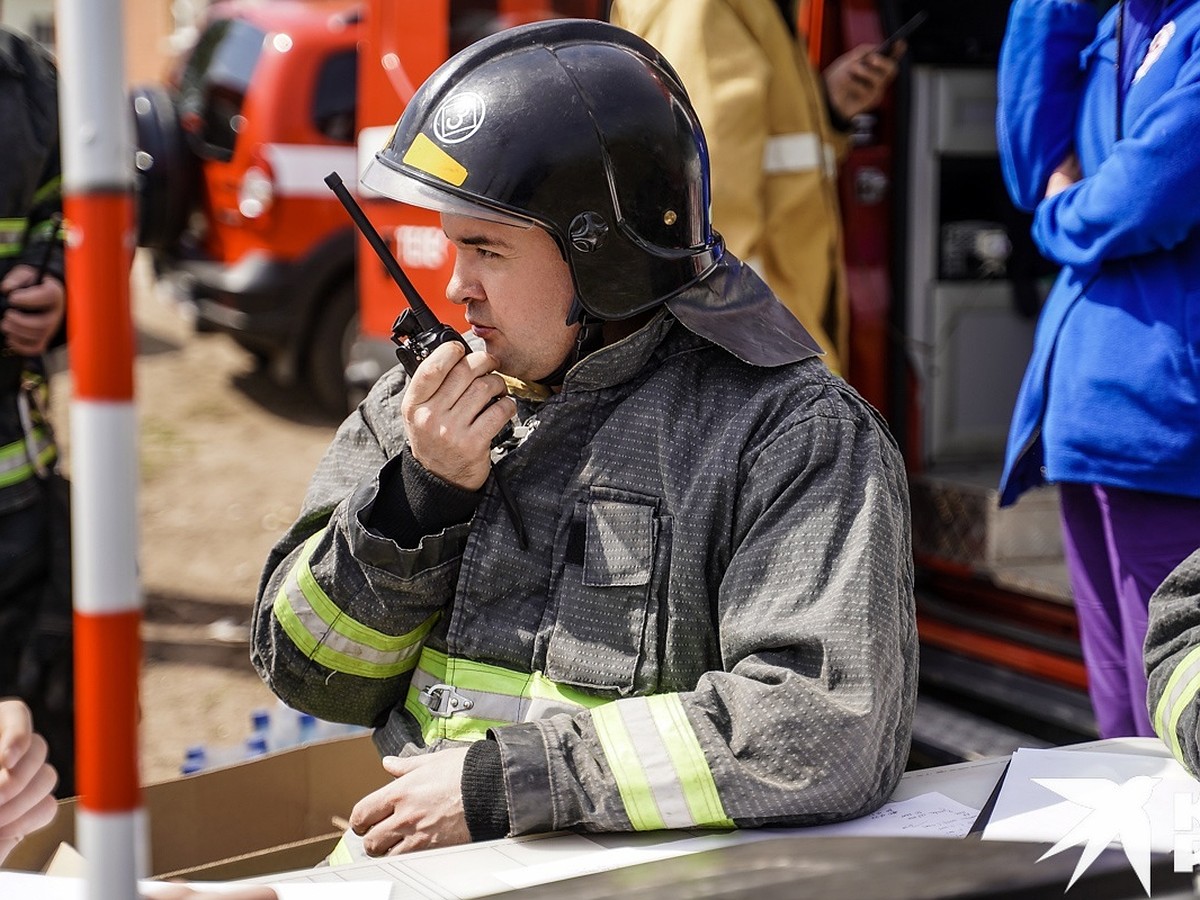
{"x": 329, "y": 345}
{"x": 166, "y": 171}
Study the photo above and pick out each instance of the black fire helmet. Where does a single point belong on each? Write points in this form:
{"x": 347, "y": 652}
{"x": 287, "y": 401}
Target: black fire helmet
{"x": 578, "y": 127}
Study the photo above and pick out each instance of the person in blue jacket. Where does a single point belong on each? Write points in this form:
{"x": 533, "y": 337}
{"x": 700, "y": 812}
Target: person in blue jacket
{"x": 1099, "y": 135}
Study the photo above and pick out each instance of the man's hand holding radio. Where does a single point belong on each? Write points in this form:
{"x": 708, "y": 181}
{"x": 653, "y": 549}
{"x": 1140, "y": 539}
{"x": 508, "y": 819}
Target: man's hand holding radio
{"x": 33, "y": 310}
{"x": 452, "y": 413}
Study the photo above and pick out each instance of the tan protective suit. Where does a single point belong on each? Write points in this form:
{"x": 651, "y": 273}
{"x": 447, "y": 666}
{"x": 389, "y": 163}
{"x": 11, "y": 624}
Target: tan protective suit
{"x": 774, "y": 151}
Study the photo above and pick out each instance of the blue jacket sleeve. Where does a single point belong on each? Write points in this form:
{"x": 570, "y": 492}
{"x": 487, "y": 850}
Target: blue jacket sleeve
{"x": 1141, "y": 199}
{"x": 1040, "y": 83}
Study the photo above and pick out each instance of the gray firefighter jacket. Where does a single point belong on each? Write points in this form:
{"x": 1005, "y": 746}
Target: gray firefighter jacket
{"x": 1173, "y": 662}
{"x": 713, "y": 621}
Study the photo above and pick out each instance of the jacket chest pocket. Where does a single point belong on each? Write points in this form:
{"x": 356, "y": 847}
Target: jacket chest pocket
{"x": 605, "y": 633}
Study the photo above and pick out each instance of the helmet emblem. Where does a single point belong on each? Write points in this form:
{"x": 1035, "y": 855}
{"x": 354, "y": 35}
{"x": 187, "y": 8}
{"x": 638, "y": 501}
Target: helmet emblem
{"x": 588, "y": 231}
{"x": 459, "y": 117}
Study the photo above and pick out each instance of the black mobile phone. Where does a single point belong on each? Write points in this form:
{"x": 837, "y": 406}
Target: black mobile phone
{"x": 901, "y": 33}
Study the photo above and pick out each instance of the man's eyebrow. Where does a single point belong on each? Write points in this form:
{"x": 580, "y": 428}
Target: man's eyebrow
{"x": 480, "y": 240}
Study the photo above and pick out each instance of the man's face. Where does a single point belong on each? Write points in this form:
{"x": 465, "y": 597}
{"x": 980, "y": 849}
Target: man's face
{"x": 517, "y": 289}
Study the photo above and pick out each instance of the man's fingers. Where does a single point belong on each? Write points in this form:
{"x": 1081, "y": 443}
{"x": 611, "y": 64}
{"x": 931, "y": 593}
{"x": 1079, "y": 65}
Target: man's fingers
{"x": 494, "y": 417}
{"x": 22, "y": 786}
{"x": 465, "y": 391}
{"x": 898, "y": 50}
{"x": 433, "y": 371}
{"x": 17, "y": 277}
{"x": 16, "y": 733}
{"x": 385, "y": 839}
{"x": 39, "y": 814}
{"x": 477, "y": 397}
{"x": 398, "y": 765}
{"x": 21, "y": 326}
{"x": 395, "y": 835}
{"x": 13, "y": 779}
{"x": 36, "y": 297}
{"x": 30, "y": 803}
{"x": 373, "y": 808}
{"x": 473, "y": 368}
{"x": 442, "y": 379}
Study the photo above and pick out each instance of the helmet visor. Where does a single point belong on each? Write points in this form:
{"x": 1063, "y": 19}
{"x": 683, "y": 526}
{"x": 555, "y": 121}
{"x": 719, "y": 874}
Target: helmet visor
{"x": 382, "y": 178}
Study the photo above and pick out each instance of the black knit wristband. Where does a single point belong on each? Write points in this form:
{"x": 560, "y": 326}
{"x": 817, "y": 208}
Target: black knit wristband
{"x": 484, "y": 803}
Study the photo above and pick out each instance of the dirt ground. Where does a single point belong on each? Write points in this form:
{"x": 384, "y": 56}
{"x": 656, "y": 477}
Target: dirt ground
{"x": 225, "y": 457}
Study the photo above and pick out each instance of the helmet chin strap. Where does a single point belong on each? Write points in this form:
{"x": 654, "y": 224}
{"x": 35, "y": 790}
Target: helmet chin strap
{"x": 587, "y": 341}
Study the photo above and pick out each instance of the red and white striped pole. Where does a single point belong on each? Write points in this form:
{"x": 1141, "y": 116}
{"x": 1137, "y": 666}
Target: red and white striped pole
{"x": 98, "y": 206}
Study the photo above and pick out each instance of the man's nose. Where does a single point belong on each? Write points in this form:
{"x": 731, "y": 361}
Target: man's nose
{"x": 460, "y": 289}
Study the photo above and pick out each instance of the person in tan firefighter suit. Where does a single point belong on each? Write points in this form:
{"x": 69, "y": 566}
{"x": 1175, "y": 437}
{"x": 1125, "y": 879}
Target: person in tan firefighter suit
{"x": 680, "y": 593}
{"x": 35, "y": 600}
{"x": 776, "y": 130}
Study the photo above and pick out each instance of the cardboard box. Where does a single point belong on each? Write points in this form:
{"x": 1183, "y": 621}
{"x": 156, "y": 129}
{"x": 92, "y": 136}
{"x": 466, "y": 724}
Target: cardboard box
{"x": 267, "y": 815}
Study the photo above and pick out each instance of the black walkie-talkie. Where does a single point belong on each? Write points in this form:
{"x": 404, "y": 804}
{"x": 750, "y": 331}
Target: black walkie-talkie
{"x": 417, "y": 332}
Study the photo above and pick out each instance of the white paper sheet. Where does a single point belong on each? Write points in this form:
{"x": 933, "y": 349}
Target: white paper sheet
{"x": 47, "y": 887}
{"x": 1108, "y": 797}
{"x": 477, "y": 870}
{"x": 928, "y": 815}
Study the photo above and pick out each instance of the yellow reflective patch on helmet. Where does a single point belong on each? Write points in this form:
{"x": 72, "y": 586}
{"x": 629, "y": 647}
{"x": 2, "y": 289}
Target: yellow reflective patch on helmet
{"x": 427, "y": 156}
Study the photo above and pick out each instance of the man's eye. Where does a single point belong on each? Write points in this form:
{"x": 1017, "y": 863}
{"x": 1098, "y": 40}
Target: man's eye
{"x": 486, "y": 254}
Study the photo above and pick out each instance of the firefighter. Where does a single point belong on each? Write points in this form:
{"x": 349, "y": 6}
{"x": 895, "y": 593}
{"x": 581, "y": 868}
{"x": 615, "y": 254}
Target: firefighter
{"x": 681, "y": 594}
{"x": 776, "y": 129}
{"x": 35, "y": 601}
{"x": 1173, "y": 662}
{"x": 1096, "y": 124}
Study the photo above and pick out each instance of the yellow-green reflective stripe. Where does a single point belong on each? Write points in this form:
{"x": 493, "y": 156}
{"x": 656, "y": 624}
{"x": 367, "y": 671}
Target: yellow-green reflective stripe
{"x": 503, "y": 696}
{"x": 469, "y": 675}
{"x": 49, "y": 189}
{"x": 660, "y": 768}
{"x": 699, "y": 787}
{"x": 495, "y": 706}
{"x": 14, "y": 458}
{"x": 323, "y": 632}
{"x": 622, "y": 756}
{"x": 9, "y": 451}
{"x": 7, "y": 250}
{"x": 1176, "y": 696}
{"x": 454, "y": 728}
{"x": 45, "y": 230}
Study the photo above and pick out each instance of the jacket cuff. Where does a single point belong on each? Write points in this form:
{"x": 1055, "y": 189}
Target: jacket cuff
{"x": 485, "y": 805}
{"x": 526, "y": 777}
{"x": 413, "y": 502}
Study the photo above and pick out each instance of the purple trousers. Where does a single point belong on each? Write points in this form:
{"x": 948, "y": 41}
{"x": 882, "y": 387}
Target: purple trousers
{"x": 1119, "y": 546}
